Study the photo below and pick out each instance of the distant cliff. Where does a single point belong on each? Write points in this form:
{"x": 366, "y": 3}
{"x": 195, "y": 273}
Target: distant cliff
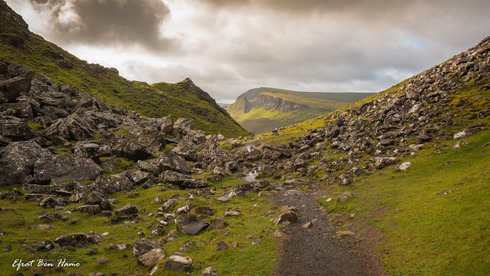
{"x": 262, "y": 109}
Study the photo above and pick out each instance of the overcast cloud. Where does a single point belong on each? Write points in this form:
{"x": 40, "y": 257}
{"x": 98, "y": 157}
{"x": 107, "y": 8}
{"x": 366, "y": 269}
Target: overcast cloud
{"x": 229, "y": 46}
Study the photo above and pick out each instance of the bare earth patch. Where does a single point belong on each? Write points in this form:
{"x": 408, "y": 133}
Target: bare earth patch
{"x": 314, "y": 249}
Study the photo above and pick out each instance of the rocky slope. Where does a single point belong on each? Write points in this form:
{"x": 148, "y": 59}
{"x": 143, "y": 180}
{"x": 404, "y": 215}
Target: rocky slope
{"x": 264, "y": 109}
{"x": 180, "y": 100}
{"x": 113, "y": 190}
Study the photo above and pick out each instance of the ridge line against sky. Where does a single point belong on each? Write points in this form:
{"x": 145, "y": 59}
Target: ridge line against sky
{"x": 230, "y": 46}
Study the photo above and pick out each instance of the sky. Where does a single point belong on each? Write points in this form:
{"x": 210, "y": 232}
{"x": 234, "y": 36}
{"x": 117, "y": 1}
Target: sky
{"x": 230, "y": 46}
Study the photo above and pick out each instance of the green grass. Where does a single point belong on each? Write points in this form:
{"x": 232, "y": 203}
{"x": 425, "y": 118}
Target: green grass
{"x": 423, "y": 231}
{"x": 246, "y": 259}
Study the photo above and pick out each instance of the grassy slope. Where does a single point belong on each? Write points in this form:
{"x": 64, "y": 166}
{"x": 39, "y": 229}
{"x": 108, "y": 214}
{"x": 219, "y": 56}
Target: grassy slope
{"x": 156, "y": 100}
{"x": 260, "y": 120}
{"x": 425, "y": 232}
{"x": 246, "y": 259}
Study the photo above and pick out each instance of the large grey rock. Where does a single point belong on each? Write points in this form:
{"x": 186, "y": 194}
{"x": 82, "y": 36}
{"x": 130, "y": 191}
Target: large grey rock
{"x": 184, "y": 181}
{"x": 166, "y": 124}
{"x": 79, "y": 239}
{"x": 18, "y": 160}
{"x": 127, "y": 210}
{"x": 13, "y": 87}
{"x": 15, "y": 129}
{"x": 183, "y": 126}
{"x": 171, "y": 161}
{"x": 50, "y": 167}
{"x": 152, "y": 256}
{"x": 143, "y": 246}
{"x": 189, "y": 224}
{"x": 131, "y": 149}
{"x": 179, "y": 263}
{"x": 70, "y": 128}
{"x": 149, "y": 135}
{"x": 381, "y": 162}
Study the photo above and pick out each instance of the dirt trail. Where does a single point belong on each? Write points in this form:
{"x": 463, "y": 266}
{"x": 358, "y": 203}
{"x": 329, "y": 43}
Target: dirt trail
{"x": 315, "y": 251}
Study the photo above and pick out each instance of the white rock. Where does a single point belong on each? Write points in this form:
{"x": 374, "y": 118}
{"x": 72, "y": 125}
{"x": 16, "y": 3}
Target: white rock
{"x": 460, "y": 135}
{"x": 403, "y": 167}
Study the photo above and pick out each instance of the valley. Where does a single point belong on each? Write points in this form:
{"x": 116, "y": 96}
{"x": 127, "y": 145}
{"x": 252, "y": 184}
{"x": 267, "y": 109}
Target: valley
{"x": 104, "y": 176}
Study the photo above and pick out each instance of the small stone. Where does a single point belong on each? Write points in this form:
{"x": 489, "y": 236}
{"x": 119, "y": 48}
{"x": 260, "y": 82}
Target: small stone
{"x": 403, "y": 167}
{"x": 343, "y": 234}
{"x": 232, "y": 213}
{"x": 288, "y": 216}
{"x": 307, "y": 225}
{"x": 345, "y": 196}
{"x": 102, "y": 260}
{"x": 210, "y": 271}
{"x": 220, "y": 246}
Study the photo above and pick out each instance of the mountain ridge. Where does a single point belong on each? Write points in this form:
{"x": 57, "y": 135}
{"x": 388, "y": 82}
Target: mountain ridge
{"x": 20, "y": 46}
{"x": 264, "y": 109}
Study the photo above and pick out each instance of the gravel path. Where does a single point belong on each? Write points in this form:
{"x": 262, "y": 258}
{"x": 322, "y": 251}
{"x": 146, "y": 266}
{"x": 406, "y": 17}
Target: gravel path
{"x": 315, "y": 251}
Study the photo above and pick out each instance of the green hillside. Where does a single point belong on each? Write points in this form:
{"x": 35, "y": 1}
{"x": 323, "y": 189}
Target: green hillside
{"x": 264, "y": 109}
{"x": 184, "y": 99}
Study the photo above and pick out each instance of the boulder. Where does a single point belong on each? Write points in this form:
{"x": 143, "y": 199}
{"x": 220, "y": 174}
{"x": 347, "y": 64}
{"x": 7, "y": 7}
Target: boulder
{"x": 403, "y": 167}
{"x": 149, "y": 135}
{"x": 381, "y": 162}
{"x": 166, "y": 124}
{"x": 289, "y": 216}
{"x": 51, "y": 202}
{"x": 189, "y": 224}
{"x": 131, "y": 149}
{"x": 11, "y": 88}
{"x": 50, "y": 167}
{"x": 15, "y": 129}
{"x": 152, "y": 256}
{"x": 18, "y": 160}
{"x": 184, "y": 181}
{"x": 70, "y": 128}
{"x": 144, "y": 246}
{"x": 182, "y": 126}
{"x": 127, "y": 210}
{"x": 91, "y": 209}
{"x": 179, "y": 263}
{"x": 171, "y": 161}
{"x": 79, "y": 239}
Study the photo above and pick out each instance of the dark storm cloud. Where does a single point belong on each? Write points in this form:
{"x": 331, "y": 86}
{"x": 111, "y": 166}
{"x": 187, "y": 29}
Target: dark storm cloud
{"x": 108, "y": 22}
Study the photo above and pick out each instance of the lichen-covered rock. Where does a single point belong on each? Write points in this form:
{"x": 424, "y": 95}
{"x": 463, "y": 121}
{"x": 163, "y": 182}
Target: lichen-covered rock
{"x": 131, "y": 149}
{"x": 189, "y": 224}
{"x": 18, "y": 160}
{"x": 152, "y": 256}
{"x": 184, "y": 181}
{"x": 143, "y": 246}
{"x": 15, "y": 128}
{"x": 171, "y": 161}
{"x": 50, "y": 167}
{"x": 179, "y": 263}
{"x": 79, "y": 239}
{"x": 127, "y": 210}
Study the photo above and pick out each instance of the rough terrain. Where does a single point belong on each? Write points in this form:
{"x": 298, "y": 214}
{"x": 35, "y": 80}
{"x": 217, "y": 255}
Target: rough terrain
{"x": 311, "y": 245}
